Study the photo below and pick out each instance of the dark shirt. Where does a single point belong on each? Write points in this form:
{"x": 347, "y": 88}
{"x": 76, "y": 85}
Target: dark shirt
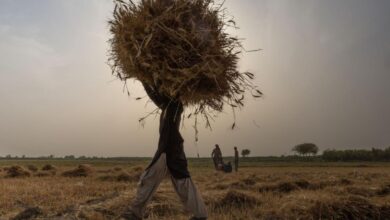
{"x": 216, "y": 153}
{"x": 170, "y": 141}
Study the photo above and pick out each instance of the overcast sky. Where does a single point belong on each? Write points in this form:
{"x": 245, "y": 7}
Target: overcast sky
{"x": 324, "y": 70}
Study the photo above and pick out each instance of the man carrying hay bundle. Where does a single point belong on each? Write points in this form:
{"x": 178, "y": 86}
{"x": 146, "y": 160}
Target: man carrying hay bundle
{"x": 179, "y": 51}
{"x": 216, "y": 154}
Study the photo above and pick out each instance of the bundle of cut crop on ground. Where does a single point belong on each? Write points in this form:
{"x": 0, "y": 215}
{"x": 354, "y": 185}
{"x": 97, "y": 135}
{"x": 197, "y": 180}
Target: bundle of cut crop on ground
{"x": 181, "y": 49}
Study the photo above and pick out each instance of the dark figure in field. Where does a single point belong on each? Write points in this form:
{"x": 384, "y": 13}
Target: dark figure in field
{"x": 236, "y": 157}
{"x": 168, "y": 160}
{"x": 217, "y": 157}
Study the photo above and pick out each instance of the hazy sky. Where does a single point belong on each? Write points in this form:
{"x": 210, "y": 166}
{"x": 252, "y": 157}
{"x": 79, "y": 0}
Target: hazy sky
{"x": 324, "y": 69}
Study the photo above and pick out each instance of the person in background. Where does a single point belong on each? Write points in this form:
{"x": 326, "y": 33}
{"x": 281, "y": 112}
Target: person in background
{"x": 217, "y": 157}
{"x": 236, "y": 156}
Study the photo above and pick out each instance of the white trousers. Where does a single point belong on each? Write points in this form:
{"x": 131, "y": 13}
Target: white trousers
{"x": 185, "y": 189}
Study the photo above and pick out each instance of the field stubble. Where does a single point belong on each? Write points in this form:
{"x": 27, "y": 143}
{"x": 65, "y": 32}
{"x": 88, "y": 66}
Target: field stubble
{"x": 280, "y": 192}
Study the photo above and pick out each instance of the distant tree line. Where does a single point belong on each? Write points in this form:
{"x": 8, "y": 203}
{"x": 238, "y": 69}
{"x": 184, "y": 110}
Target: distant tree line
{"x": 305, "y": 152}
{"x": 375, "y": 154}
{"x": 357, "y": 155}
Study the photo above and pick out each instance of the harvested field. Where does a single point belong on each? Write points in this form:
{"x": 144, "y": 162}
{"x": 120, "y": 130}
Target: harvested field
{"x": 291, "y": 191}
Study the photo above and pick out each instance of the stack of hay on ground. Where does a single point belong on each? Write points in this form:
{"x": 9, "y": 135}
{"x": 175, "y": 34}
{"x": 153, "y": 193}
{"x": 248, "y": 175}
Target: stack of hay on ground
{"x": 180, "y": 49}
{"x": 28, "y": 213}
{"x": 32, "y": 168}
{"x": 117, "y": 169}
{"x": 352, "y": 207}
{"x": 82, "y": 170}
{"x": 137, "y": 169}
{"x": 16, "y": 171}
{"x": 48, "y": 167}
{"x": 47, "y": 170}
{"x": 121, "y": 177}
{"x": 236, "y": 199}
{"x": 132, "y": 176}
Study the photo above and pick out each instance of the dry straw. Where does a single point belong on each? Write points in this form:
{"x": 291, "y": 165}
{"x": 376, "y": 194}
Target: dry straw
{"x": 82, "y": 170}
{"x": 17, "y": 171}
{"x": 182, "y": 50}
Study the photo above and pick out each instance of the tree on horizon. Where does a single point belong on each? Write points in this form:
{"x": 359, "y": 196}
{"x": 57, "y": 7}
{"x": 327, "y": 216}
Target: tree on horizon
{"x": 306, "y": 148}
{"x": 245, "y": 152}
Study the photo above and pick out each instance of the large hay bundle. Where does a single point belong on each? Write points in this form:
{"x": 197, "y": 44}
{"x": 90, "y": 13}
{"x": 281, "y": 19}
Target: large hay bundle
{"x": 181, "y": 49}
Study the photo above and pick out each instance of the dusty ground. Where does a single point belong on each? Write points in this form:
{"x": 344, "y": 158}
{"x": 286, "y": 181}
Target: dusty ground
{"x": 271, "y": 192}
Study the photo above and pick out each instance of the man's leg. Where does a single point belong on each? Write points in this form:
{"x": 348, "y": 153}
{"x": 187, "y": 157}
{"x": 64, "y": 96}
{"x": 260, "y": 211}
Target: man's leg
{"x": 215, "y": 163}
{"x": 220, "y": 164}
{"x": 148, "y": 184}
{"x": 236, "y": 165}
{"x": 190, "y": 197}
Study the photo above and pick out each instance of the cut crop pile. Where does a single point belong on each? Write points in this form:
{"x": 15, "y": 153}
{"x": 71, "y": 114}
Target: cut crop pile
{"x": 82, "y": 170}
{"x": 17, "y": 171}
{"x": 181, "y": 49}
